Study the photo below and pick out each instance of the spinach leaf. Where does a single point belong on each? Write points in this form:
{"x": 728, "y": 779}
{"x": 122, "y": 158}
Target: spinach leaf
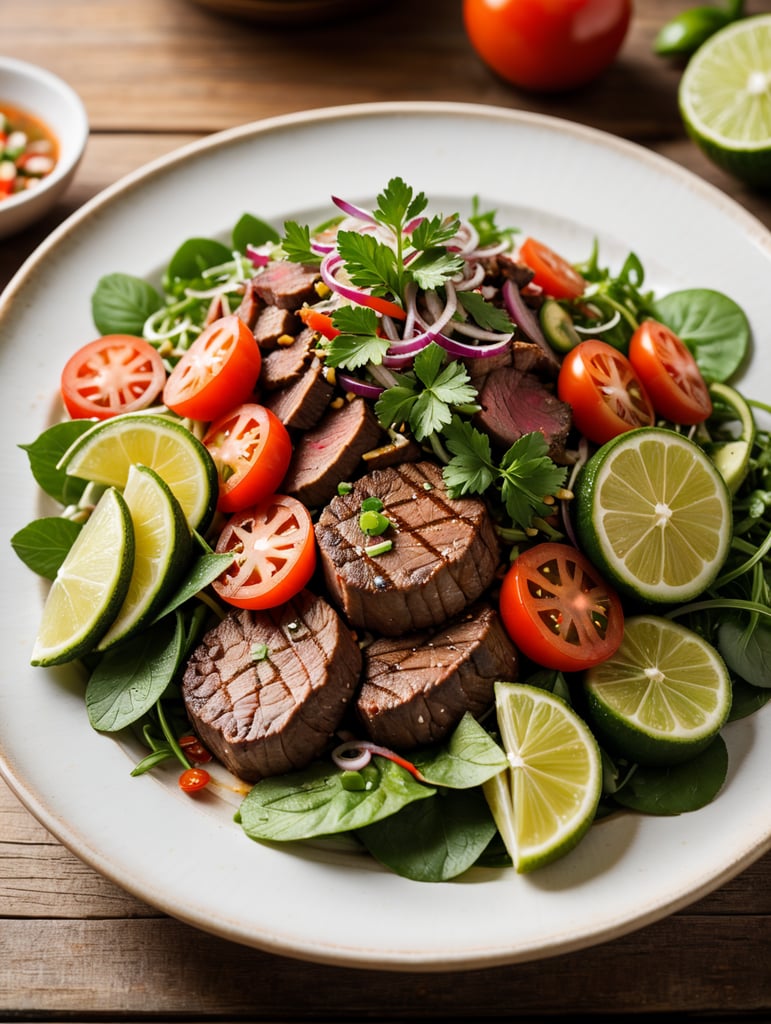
{"x": 43, "y": 544}
{"x": 746, "y": 649}
{"x": 121, "y": 303}
{"x": 131, "y": 677}
{"x": 433, "y": 840}
{"x": 322, "y": 800}
{"x": 194, "y": 256}
{"x": 44, "y": 454}
{"x": 250, "y": 230}
{"x": 714, "y": 328}
{"x": 469, "y": 758}
{"x": 746, "y": 699}
{"x": 676, "y": 790}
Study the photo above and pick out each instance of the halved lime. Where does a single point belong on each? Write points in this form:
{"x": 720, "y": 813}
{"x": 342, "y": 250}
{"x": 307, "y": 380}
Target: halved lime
{"x": 732, "y": 456}
{"x": 162, "y": 549}
{"x": 654, "y": 515}
{"x": 663, "y": 697}
{"x": 725, "y": 98}
{"x": 106, "y": 452}
{"x": 547, "y": 798}
{"x": 90, "y": 585}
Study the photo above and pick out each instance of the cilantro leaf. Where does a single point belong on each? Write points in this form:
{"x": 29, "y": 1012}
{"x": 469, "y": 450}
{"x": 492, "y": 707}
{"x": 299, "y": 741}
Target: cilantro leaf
{"x": 395, "y": 404}
{"x": 450, "y": 383}
{"x": 487, "y": 228}
{"x": 484, "y": 313}
{"x": 355, "y": 320}
{"x": 368, "y": 262}
{"x": 358, "y": 342}
{"x": 435, "y": 231}
{"x": 472, "y": 469}
{"x": 528, "y": 476}
{"x": 398, "y": 204}
{"x": 297, "y": 244}
{"x": 433, "y": 267}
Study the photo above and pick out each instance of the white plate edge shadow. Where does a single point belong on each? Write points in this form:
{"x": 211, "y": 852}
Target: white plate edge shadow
{"x": 306, "y": 940}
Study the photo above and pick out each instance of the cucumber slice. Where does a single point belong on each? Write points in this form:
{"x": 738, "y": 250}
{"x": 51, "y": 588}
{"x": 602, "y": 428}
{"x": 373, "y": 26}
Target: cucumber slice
{"x": 557, "y": 326}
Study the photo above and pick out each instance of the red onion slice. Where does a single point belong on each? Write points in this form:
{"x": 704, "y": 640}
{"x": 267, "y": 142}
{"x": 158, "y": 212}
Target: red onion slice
{"x": 359, "y": 387}
{"x": 525, "y": 319}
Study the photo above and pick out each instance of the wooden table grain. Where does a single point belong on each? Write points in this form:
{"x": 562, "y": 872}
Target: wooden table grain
{"x": 155, "y": 75}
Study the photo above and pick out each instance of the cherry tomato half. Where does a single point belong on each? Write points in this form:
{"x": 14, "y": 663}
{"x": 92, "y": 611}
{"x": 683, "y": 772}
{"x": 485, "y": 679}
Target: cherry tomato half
{"x": 553, "y": 274}
{"x": 252, "y": 449}
{"x": 114, "y": 374}
{"x": 274, "y": 551}
{"x": 558, "y": 610}
{"x": 670, "y": 374}
{"x": 547, "y": 45}
{"x": 600, "y": 385}
{"x": 217, "y": 372}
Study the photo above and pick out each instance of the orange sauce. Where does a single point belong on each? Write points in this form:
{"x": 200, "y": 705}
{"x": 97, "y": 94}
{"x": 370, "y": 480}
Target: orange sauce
{"x": 29, "y": 150}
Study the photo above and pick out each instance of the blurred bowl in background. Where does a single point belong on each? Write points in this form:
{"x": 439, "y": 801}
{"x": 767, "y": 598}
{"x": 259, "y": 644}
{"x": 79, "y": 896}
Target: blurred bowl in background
{"x": 288, "y": 12}
{"x": 30, "y": 91}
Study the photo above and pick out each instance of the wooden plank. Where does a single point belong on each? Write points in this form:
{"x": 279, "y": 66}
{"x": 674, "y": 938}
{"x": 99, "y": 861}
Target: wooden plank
{"x": 161, "y": 968}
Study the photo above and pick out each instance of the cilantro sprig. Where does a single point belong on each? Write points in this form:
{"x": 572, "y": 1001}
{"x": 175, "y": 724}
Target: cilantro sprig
{"x": 524, "y": 476}
{"x": 426, "y": 398}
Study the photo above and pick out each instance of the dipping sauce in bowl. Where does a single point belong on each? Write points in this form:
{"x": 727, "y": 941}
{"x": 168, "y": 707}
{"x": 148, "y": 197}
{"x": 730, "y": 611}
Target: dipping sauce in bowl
{"x": 29, "y": 150}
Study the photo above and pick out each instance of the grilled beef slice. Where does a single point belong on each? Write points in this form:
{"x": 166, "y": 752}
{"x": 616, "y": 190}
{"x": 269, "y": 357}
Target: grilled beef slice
{"x": 286, "y": 364}
{"x": 285, "y": 284}
{"x": 515, "y": 403}
{"x": 301, "y": 405}
{"x": 263, "y": 716}
{"x": 331, "y": 452}
{"x": 417, "y": 688}
{"x": 444, "y": 552}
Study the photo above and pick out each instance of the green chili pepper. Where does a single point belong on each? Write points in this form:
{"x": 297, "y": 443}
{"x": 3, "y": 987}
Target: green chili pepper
{"x": 685, "y": 33}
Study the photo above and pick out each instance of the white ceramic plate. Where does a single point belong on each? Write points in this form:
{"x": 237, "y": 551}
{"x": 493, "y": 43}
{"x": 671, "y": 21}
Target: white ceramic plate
{"x": 564, "y": 183}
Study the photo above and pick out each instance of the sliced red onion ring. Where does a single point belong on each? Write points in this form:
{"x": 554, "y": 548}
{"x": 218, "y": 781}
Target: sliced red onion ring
{"x": 255, "y": 257}
{"x": 344, "y": 756}
{"x": 359, "y": 387}
{"x": 460, "y": 350}
{"x": 352, "y": 210}
{"x": 524, "y": 318}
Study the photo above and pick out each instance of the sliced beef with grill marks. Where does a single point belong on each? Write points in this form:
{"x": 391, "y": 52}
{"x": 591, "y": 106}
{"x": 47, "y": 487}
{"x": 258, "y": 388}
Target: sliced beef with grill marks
{"x": 301, "y": 405}
{"x": 265, "y": 710}
{"x": 416, "y": 689}
{"x": 331, "y": 452}
{"x": 286, "y": 284}
{"x": 444, "y": 552}
{"x": 286, "y": 364}
{"x": 515, "y": 403}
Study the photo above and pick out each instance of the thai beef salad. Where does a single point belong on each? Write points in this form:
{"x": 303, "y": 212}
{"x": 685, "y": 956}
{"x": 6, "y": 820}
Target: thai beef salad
{"x": 434, "y": 540}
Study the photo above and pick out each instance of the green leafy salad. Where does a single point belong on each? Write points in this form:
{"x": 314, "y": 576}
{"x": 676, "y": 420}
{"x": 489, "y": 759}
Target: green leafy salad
{"x": 626, "y": 478}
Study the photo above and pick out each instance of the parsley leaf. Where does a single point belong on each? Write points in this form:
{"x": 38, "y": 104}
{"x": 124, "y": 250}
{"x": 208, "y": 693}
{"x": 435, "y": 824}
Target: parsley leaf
{"x": 398, "y": 204}
{"x": 486, "y": 315}
{"x": 486, "y": 226}
{"x": 435, "y": 231}
{"x": 297, "y": 244}
{"x": 426, "y": 401}
{"x": 368, "y": 262}
{"x": 524, "y": 476}
{"x": 433, "y": 267}
{"x": 358, "y": 342}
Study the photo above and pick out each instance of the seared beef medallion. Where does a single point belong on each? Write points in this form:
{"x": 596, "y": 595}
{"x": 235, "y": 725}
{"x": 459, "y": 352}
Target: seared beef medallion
{"x": 417, "y": 688}
{"x": 265, "y": 691}
{"x": 444, "y": 552}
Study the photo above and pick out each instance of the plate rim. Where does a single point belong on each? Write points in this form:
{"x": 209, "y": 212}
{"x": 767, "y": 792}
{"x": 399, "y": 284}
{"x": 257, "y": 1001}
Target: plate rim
{"x": 199, "y": 148}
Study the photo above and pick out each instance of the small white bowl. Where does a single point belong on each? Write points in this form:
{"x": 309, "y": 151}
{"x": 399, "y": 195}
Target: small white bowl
{"x": 45, "y": 96}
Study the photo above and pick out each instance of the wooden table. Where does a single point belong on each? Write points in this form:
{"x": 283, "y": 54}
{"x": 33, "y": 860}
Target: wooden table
{"x": 155, "y": 74}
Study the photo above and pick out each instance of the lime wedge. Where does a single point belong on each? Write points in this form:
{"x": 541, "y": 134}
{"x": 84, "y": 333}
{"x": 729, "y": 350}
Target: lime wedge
{"x": 105, "y": 453}
{"x": 162, "y": 546}
{"x": 663, "y": 697}
{"x": 725, "y": 98}
{"x": 654, "y": 515}
{"x": 547, "y": 798}
{"x": 90, "y": 585}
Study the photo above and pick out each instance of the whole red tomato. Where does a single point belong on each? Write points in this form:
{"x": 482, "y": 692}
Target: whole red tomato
{"x": 547, "y": 45}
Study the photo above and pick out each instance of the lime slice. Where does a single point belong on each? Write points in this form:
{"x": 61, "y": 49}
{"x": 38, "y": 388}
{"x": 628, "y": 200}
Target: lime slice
{"x": 654, "y": 515}
{"x": 546, "y": 800}
{"x": 725, "y": 98}
{"x": 732, "y": 457}
{"x": 663, "y": 697}
{"x": 162, "y": 548}
{"x": 106, "y": 452}
{"x": 90, "y": 585}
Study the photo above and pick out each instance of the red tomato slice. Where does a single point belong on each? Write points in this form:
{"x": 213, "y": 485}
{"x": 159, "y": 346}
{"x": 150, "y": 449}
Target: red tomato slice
{"x": 115, "y": 374}
{"x": 670, "y": 374}
{"x": 217, "y": 372}
{"x": 554, "y": 274}
{"x": 606, "y": 395}
{"x": 274, "y": 552}
{"x": 558, "y": 610}
{"x": 252, "y": 449}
